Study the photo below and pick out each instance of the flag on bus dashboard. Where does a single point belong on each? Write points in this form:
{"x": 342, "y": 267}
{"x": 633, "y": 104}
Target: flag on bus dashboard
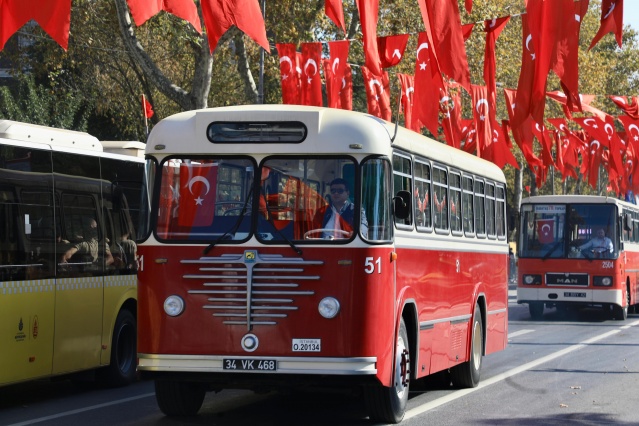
{"x": 198, "y": 187}
{"x": 545, "y": 231}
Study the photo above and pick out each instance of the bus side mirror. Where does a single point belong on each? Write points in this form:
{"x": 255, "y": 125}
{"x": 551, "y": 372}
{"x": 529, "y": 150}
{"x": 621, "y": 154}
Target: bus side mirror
{"x": 627, "y": 222}
{"x": 401, "y": 205}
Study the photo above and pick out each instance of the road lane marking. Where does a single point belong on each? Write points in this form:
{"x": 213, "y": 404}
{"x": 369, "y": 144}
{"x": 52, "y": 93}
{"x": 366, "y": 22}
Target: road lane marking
{"x": 503, "y": 376}
{"x": 82, "y": 410}
{"x": 519, "y": 333}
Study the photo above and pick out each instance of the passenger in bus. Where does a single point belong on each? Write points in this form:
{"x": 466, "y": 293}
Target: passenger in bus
{"x": 339, "y": 213}
{"x": 127, "y": 252}
{"x": 89, "y": 247}
{"x": 599, "y": 245}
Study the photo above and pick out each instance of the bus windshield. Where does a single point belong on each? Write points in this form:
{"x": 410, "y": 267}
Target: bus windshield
{"x": 567, "y": 230}
{"x": 296, "y": 199}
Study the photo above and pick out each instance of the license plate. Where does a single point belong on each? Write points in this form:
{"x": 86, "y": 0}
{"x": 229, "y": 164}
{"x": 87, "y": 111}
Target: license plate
{"x": 573, "y": 294}
{"x": 249, "y": 364}
{"x": 307, "y": 345}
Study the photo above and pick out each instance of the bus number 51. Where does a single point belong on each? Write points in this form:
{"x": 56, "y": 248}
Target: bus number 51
{"x": 369, "y": 265}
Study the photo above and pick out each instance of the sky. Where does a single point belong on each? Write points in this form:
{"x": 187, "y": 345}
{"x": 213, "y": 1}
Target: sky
{"x": 631, "y": 13}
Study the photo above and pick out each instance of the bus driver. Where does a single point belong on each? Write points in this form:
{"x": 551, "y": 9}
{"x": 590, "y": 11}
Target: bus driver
{"x": 599, "y": 244}
{"x": 338, "y": 215}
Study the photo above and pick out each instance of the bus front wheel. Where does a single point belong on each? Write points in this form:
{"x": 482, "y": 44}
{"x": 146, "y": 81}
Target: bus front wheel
{"x": 388, "y": 405}
{"x": 467, "y": 374}
{"x": 179, "y": 399}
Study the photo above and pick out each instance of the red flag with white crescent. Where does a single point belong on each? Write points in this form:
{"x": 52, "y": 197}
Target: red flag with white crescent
{"x": 545, "y": 231}
{"x": 407, "y": 85}
{"x": 289, "y": 77}
{"x": 631, "y": 109}
{"x": 391, "y": 49}
{"x": 335, "y": 70}
{"x": 377, "y": 94}
{"x": 311, "y": 86}
{"x": 198, "y": 188}
{"x": 428, "y": 82}
{"x": 611, "y": 21}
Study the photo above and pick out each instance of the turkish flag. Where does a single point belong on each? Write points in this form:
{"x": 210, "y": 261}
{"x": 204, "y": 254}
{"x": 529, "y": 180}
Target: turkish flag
{"x": 632, "y": 135}
{"x": 498, "y": 150}
{"x": 567, "y": 145}
{"x": 311, "y": 87}
{"x": 585, "y": 101}
{"x": 546, "y": 231}
{"x": 377, "y": 94}
{"x": 468, "y": 142}
{"x": 492, "y": 28}
{"x": 482, "y": 117}
{"x": 147, "y": 108}
{"x": 547, "y": 30}
{"x": 428, "y": 82}
{"x": 198, "y": 188}
{"x": 526, "y": 77}
{"x": 335, "y": 11}
{"x": 544, "y": 137}
{"x": 442, "y": 18}
{"x": 391, "y": 49}
{"x": 631, "y": 109}
{"x": 220, "y": 15}
{"x": 368, "y": 15}
{"x": 346, "y": 89}
{"x": 142, "y": 10}
{"x": 53, "y": 16}
{"x": 605, "y": 134}
{"x": 288, "y": 73}
{"x": 566, "y": 62}
{"x": 451, "y": 112}
{"x": 407, "y": 85}
{"x": 334, "y": 72}
{"x": 523, "y": 134}
{"x": 467, "y": 30}
{"x": 611, "y": 21}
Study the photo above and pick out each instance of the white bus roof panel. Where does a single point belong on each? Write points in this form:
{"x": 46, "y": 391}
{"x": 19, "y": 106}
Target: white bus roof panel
{"x": 26, "y": 132}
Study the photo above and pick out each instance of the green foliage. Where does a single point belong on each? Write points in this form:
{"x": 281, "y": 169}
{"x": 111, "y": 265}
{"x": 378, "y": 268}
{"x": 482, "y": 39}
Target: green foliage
{"x": 41, "y": 104}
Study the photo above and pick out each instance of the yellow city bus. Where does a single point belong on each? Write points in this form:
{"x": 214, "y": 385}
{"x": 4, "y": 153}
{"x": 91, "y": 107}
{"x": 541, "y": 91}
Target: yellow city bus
{"x": 69, "y": 217}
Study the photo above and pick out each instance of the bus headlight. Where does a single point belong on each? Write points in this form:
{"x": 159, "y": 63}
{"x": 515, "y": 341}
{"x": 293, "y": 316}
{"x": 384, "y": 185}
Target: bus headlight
{"x": 174, "y": 305}
{"x": 532, "y": 279}
{"x": 602, "y": 281}
{"x": 328, "y": 307}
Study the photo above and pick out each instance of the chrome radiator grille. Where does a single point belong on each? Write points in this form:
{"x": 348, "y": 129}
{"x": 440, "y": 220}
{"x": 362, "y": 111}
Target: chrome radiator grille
{"x": 251, "y": 288}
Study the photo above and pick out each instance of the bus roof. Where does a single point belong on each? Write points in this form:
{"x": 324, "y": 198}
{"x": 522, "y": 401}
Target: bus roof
{"x": 330, "y": 131}
{"x": 27, "y": 132}
{"x": 132, "y": 148}
{"x": 580, "y": 199}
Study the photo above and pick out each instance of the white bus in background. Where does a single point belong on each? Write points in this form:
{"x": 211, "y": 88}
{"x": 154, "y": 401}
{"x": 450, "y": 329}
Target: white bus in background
{"x": 65, "y": 316}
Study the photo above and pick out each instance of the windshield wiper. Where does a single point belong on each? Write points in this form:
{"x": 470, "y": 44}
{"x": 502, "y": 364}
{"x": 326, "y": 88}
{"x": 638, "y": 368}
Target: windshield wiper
{"x": 234, "y": 228}
{"x": 552, "y": 250}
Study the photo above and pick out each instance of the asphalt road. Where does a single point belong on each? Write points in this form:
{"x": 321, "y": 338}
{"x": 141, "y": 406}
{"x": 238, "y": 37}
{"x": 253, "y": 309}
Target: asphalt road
{"x": 577, "y": 368}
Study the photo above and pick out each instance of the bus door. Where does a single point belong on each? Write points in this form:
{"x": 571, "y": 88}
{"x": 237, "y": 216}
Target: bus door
{"x": 27, "y": 294}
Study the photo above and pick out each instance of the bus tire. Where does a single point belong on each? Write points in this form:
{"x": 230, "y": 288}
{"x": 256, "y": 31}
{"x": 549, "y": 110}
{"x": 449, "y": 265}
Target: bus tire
{"x": 467, "y": 374}
{"x": 179, "y": 399}
{"x": 619, "y": 313}
{"x": 536, "y": 310}
{"x": 122, "y": 367}
{"x": 388, "y": 404}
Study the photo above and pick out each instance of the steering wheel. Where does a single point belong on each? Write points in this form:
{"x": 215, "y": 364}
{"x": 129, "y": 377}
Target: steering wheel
{"x": 307, "y": 234}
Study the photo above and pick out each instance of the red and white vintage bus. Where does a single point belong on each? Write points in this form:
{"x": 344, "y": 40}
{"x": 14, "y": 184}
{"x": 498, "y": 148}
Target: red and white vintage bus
{"x": 257, "y": 276}
{"x": 578, "y": 250}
